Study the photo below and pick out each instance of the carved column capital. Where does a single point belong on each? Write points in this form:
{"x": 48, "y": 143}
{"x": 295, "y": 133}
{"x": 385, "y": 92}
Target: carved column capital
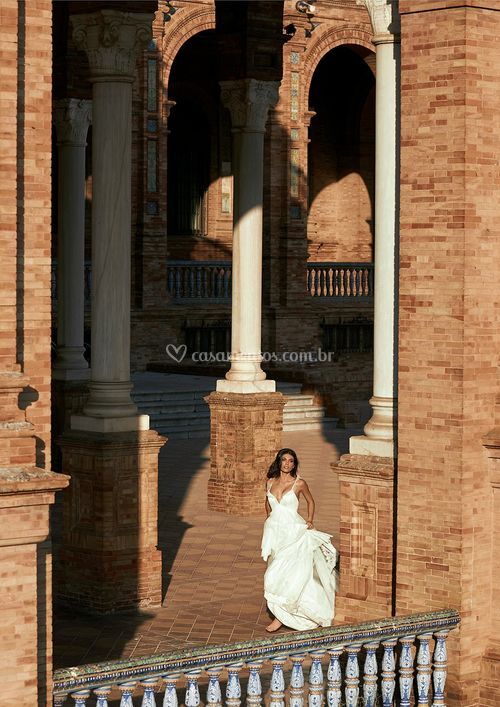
{"x": 112, "y": 40}
{"x": 384, "y": 16}
{"x": 248, "y": 101}
{"x": 72, "y": 118}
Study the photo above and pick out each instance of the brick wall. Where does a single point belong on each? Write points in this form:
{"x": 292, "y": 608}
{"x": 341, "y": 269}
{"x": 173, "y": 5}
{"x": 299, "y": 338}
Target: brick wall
{"x": 448, "y": 332}
{"x": 34, "y": 215}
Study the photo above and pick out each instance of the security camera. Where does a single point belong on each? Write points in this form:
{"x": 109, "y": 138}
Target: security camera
{"x": 305, "y": 7}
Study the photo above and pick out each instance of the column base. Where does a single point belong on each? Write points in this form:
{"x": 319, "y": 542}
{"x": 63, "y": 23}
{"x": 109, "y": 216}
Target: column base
{"x": 366, "y": 537}
{"x": 362, "y": 445}
{"x": 234, "y": 386}
{"x": 105, "y": 425}
{"x": 109, "y": 560}
{"x": 245, "y": 435}
{"x": 71, "y": 374}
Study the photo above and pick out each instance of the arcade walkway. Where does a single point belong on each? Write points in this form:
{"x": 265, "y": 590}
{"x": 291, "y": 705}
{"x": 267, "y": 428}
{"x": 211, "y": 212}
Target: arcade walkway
{"x": 213, "y": 571}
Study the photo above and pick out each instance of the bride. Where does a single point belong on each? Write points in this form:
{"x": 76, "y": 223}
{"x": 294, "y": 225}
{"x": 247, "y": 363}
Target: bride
{"x": 299, "y": 583}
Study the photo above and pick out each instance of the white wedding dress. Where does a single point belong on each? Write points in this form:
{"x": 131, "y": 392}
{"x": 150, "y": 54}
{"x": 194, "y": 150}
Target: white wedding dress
{"x": 300, "y": 580}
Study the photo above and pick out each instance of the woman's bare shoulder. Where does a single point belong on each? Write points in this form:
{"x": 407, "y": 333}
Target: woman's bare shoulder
{"x": 301, "y": 483}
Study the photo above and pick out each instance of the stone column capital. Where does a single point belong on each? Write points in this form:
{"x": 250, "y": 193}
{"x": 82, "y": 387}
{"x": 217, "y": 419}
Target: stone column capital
{"x": 384, "y": 16}
{"x": 72, "y": 118}
{"x": 112, "y": 40}
{"x": 248, "y": 101}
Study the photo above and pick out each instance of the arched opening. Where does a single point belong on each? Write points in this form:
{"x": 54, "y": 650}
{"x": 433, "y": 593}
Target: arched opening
{"x": 341, "y": 160}
{"x": 199, "y": 206}
{"x": 189, "y": 168}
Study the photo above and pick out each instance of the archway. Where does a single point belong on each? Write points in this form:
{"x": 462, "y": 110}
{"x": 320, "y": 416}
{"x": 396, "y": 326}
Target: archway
{"x": 341, "y": 161}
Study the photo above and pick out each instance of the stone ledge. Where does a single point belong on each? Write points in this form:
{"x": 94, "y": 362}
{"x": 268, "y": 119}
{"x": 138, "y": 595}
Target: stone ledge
{"x": 371, "y": 467}
{"x": 14, "y": 480}
{"x": 116, "y": 441}
{"x": 270, "y": 400}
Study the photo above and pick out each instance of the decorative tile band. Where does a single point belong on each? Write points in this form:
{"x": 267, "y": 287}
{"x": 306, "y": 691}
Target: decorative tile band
{"x": 348, "y": 639}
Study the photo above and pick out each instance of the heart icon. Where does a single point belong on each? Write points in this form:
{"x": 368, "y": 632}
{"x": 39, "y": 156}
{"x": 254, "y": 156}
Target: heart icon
{"x": 177, "y": 353}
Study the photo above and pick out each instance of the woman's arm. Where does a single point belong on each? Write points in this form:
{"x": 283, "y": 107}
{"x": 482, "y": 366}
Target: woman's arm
{"x": 268, "y": 508}
{"x": 304, "y": 488}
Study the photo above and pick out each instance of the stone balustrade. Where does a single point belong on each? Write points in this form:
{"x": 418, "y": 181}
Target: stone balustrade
{"x": 211, "y": 280}
{"x": 340, "y": 280}
{"x": 199, "y": 279}
{"x": 396, "y": 661}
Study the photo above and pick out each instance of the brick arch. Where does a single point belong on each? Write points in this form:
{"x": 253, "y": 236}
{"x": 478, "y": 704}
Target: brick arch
{"x": 188, "y": 26}
{"x": 332, "y": 38}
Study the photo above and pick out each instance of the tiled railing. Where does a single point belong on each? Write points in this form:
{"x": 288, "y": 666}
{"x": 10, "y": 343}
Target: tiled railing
{"x": 397, "y": 661}
{"x": 199, "y": 279}
{"x": 340, "y": 280}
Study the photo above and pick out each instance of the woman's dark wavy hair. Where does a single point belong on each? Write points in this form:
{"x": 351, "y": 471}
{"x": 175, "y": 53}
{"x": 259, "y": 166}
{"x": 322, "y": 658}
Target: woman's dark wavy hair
{"x": 274, "y": 469}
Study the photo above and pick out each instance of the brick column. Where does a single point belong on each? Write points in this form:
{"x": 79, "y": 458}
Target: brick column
{"x": 245, "y": 435}
{"x": 366, "y": 537}
{"x": 449, "y": 329}
{"x": 490, "y": 668}
{"x": 26, "y": 490}
{"x": 26, "y": 587}
{"x": 109, "y": 556}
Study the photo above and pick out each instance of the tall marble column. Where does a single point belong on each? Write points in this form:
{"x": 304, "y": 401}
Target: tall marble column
{"x": 72, "y": 118}
{"x": 246, "y": 414}
{"x": 111, "y": 39}
{"x": 366, "y": 474}
{"x": 379, "y": 437}
{"x": 248, "y": 101}
{"x": 109, "y": 558}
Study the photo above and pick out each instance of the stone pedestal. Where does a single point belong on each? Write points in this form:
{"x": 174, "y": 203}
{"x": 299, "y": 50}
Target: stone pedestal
{"x": 26, "y": 587}
{"x": 109, "y": 556}
{"x": 366, "y": 537}
{"x": 245, "y": 435}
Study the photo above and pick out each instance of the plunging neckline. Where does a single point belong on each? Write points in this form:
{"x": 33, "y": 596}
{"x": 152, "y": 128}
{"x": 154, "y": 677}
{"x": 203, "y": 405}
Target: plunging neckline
{"x": 284, "y": 494}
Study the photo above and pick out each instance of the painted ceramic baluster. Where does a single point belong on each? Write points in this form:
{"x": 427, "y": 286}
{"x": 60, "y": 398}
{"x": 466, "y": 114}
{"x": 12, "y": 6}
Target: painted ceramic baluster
{"x": 127, "y": 690}
{"x": 406, "y": 670}
{"x": 316, "y": 681}
{"x": 388, "y": 673}
{"x": 334, "y": 676}
{"x": 192, "y": 689}
{"x": 277, "y": 691}
{"x": 214, "y": 695}
{"x": 254, "y": 688}
{"x": 352, "y": 676}
{"x": 297, "y": 681}
{"x": 440, "y": 665}
{"x": 80, "y": 697}
{"x": 370, "y": 675}
{"x": 170, "y": 698}
{"x": 102, "y": 694}
{"x": 233, "y": 687}
{"x": 148, "y": 699}
{"x": 423, "y": 669}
